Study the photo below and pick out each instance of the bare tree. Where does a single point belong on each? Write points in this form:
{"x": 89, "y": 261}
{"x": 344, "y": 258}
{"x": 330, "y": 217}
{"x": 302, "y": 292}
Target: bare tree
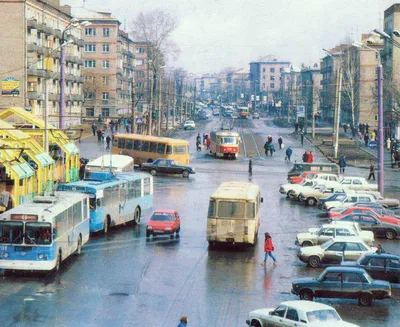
{"x": 351, "y": 84}
{"x": 91, "y": 85}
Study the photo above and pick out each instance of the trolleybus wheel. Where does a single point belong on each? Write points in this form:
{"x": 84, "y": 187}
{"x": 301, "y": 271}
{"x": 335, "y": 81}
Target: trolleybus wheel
{"x": 79, "y": 249}
{"x": 58, "y": 263}
{"x": 107, "y": 224}
{"x": 136, "y": 216}
{"x": 153, "y": 172}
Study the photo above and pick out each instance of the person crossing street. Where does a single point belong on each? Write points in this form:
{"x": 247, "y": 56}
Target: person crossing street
{"x": 371, "y": 171}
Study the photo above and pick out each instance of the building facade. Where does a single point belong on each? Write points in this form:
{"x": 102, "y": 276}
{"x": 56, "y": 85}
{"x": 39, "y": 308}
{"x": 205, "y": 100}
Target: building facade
{"x": 310, "y": 88}
{"x": 141, "y": 77}
{"x": 30, "y": 59}
{"x": 108, "y": 66}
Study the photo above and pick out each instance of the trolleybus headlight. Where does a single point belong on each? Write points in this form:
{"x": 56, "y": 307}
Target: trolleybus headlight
{"x": 6, "y": 255}
{"x": 41, "y": 256}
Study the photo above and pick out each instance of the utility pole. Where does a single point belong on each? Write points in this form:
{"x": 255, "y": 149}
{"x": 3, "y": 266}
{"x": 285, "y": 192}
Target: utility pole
{"x": 150, "y": 109}
{"x": 46, "y": 115}
{"x": 168, "y": 102}
{"x": 381, "y": 154}
{"x": 159, "y": 110}
{"x": 337, "y": 114}
{"x": 174, "y": 101}
{"x": 133, "y": 105}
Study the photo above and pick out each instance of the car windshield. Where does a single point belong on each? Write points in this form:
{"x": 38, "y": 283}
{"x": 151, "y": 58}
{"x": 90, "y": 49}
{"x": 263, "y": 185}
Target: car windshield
{"x": 323, "y": 315}
{"x": 11, "y": 232}
{"x": 327, "y": 243}
{"x": 160, "y": 216}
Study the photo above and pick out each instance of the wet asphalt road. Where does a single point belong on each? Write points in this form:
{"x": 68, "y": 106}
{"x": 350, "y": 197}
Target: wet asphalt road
{"x": 124, "y": 280}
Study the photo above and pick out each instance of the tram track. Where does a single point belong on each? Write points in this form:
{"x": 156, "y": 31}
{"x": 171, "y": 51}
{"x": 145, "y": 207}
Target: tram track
{"x": 249, "y": 142}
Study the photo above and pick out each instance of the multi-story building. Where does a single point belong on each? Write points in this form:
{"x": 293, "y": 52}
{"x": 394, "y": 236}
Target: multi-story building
{"x": 141, "y": 77}
{"x": 265, "y": 78}
{"x": 31, "y": 36}
{"x": 310, "y": 88}
{"x": 391, "y": 71}
{"x": 289, "y": 94}
{"x": 109, "y": 65}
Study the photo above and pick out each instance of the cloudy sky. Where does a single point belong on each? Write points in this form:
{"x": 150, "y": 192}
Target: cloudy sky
{"x": 214, "y": 34}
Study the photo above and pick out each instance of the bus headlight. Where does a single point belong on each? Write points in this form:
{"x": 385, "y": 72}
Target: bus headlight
{"x": 6, "y": 255}
{"x": 42, "y": 256}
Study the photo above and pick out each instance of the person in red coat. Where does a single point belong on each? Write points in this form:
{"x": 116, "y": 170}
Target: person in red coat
{"x": 268, "y": 248}
{"x": 310, "y": 158}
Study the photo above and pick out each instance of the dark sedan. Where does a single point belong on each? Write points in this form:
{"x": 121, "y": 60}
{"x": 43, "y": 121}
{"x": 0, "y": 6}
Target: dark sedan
{"x": 342, "y": 282}
{"x": 167, "y": 166}
{"x": 384, "y": 266}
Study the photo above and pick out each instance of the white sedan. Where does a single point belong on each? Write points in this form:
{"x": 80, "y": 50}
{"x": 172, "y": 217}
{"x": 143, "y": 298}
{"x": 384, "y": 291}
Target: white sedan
{"x": 189, "y": 124}
{"x": 297, "y": 313}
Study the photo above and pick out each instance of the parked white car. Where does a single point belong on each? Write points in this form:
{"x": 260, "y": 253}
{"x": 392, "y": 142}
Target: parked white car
{"x": 317, "y": 236}
{"x": 293, "y": 190}
{"x": 385, "y": 202}
{"x": 349, "y": 200}
{"x": 256, "y": 115}
{"x": 189, "y": 124}
{"x": 297, "y": 313}
{"x": 358, "y": 184}
{"x": 311, "y": 196}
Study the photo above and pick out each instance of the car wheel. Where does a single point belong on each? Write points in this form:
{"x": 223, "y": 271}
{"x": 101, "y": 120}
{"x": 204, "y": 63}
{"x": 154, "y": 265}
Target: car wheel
{"x": 153, "y": 172}
{"x": 314, "y": 261}
{"x": 255, "y": 323}
{"x": 311, "y": 202}
{"x": 306, "y": 295}
{"x": 291, "y": 194}
{"x": 390, "y": 234}
{"x": 306, "y": 243}
{"x": 365, "y": 299}
{"x": 178, "y": 230}
{"x": 148, "y": 234}
{"x": 185, "y": 174}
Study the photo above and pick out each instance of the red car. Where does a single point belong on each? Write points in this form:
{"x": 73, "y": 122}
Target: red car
{"x": 164, "y": 222}
{"x": 335, "y": 214}
{"x": 299, "y": 179}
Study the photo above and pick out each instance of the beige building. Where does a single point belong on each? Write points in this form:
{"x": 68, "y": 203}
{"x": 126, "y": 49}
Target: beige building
{"x": 31, "y": 33}
{"x": 109, "y": 66}
{"x": 310, "y": 90}
{"x": 141, "y": 77}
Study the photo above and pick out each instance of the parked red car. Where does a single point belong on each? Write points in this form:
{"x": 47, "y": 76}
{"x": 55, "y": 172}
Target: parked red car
{"x": 299, "y": 179}
{"x": 334, "y": 214}
{"x": 164, "y": 222}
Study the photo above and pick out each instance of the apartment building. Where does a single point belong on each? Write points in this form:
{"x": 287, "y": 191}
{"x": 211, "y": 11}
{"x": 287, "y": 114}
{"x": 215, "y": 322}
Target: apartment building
{"x": 31, "y": 32}
{"x": 141, "y": 77}
{"x": 108, "y": 65}
{"x": 289, "y": 89}
{"x": 391, "y": 71}
{"x": 310, "y": 90}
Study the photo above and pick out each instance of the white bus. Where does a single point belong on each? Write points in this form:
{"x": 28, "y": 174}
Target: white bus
{"x": 234, "y": 213}
{"x": 117, "y": 163}
{"x": 40, "y": 234}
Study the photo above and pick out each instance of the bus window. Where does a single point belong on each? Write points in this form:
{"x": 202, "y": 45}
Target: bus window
{"x": 85, "y": 209}
{"x": 121, "y": 143}
{"x": 146, "y": 189}
{"x": 138, "y": 188}
{"x": 136, "y": 145}
{"x": 211, "y": 209}
{"x": 169, "y": 149}
{"x": 179, "y": 149}
{"x": 231, "y": 209}
{"x": 11, "y": 232}
{"x": 115, "y": 142}
{"x": 145, "y": 146}
{"x": 98, "y": 203}
{"x": 38, "y": 233}
{"x": 153, "y": 147}
{"x": 129, "y": 144}
{"x": 92, "y": 203}
{"x": 161, "y": 148}
{"x": 251, "y": 212}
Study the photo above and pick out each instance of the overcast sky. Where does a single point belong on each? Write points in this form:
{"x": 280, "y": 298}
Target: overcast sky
{"x": 214, "y": 34}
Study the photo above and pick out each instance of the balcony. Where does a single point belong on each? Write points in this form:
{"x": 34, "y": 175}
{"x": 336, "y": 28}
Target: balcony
{"x": 80, "y": 42}
{"x": 120, "y": 71}
{"x": 41, "y": 27}
{"x": 131, "y": 54}
{"x": 37, "y": 72}
{"x": 55, "y": 53}
{"x": 77, "y": 97}
{"x": 71, "y": 58}
{"x": 70, "y": 77}
{"x": 32, "y": 95}
{"x": 45, "y": 51}
{"x": 54, "y": 96}
{"x": 80, "y": 79}
{"x": 49, "y": 30}
{"x": 57, "y": 33}
{"x": 80, "y": 61}
{"x": 32, "y": 47}
{"x": 31, "y": 23}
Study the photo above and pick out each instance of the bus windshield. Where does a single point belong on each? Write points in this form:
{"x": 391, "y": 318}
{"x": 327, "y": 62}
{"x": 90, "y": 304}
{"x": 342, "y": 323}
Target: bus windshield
{"x": 231, "y": 209}
{"x": 229, "y": 140}
{"x": 11, "y": 232}
{"x": 38, "y": 233}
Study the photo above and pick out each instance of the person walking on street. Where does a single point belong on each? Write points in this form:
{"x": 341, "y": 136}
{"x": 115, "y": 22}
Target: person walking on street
{"x": 208, "y": 142}
{"x": 198, "y": 138}
{"x": 366, "y": 140}
{"x": 183, "y": 321}
{"x": 371, "y": 171}
{"x": 305, "y": 156}
{"x": 108, "y": 140}
{"x": 342, "y": 164}
{"x": 266, "y": 148}
{"x": 271, "y": 148}
{"x": 280, "y": 142}
{"x": 302, "y": 138}
{"x": 310, "y": 158}
{"x": 268, "y": 249}
{"x": 379, "y": 249}
{"x": 289, "y": 153}
{"x": 366, "y": 128}
{"x": 94, "y": 129}
{"x": 250, "y": 166}
{"x": 345, "y": 127}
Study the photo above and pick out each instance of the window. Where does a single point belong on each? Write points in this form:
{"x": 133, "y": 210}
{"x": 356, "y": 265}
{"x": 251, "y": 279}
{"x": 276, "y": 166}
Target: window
{"x": 251, "y": 210}
{"x": 179, "y": 149}
{"x": 336, "y": 247}
{"x": 272, "y": 70}
{"x": 272, "y": 85}
{"x": 90, "y": 47}
{"x": 169, "y": 149}
{"x": 272, "y": 78}
{"x": 136, "y": 145}
{"x": 105, "y": 79}
{"x": 90, "y": 31}
{"x": 357, "y": 182}
{"x": 327, "y": 232}
{"x": 105, "y": 112}
{"x": 146, "y": 186}
{"x": 11, "y": 232}
{"x": 333, "y": 277}
{"x": 106, "y": 32}
{"x": 394, "y": 263}
{"x": 140, "y": 50}
{"x": 90, "y": 63}
{"x": 264, "y": 71}
{"x": 352, "y": 247}
{"x": 145, "y": 146}
{"x": 231, "y": 209}
{"x": 129, "y": 144}
{"x": 121, "y": 143}
{"x": 291, "y": 314}
{"x": 105, "y": 96}
{"x": 106, "y": 48}
{"x": 153, "y": 147}
{"x": 344, "y": 232}
{"x": 90, "y": 112}
{"x": 161, "y": 148}
{"x": 211, "y": 208}
{"x": 280, "y": 311}
{"x": 351, "y": 278}
{"x": 106, "y": 64}
{"x": 364, "y": 199}
{"x": 346, "y": 181}
{"x": 376, "y": 262}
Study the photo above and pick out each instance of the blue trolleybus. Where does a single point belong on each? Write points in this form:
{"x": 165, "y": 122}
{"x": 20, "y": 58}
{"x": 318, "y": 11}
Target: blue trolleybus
{"x": 41, "y": 233}
{"x": 115, "y": 198}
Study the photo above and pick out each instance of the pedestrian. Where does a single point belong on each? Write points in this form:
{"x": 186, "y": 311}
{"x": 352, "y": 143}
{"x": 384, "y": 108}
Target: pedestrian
{"x": 250, "y": 166}
{"x": 269, "y": 139}
{"x": 108, "y": 140}
{"x": 393, "y": 156}
{"x": 345, "y": 127}
{"x": 94, "y": 129}
{"x": 366, "y": 128}
{"x": 379, "y": 249}
{"x": 271, "y": 148}
{"x": 289, "y": 153}
{"x": 280, "y": 142}
{"x": 208, "y": 142}
{"x": 82, "y": 167}
{"x": 204, "y": 138}
{"x": 305, "y": 156}
{"x": 296, "y": 127}
{"x": 266, "y": 148}
{"x": 183, "y": 322}
{"x": 98, "y": 135}
{"x": 366, "y": 139}
{"x": 268, "y": 249}
{"x": 371, "y": 171}
{"x": 353, "y": 130}
{"x": 389, "y": 143}
{"x": 302, "y": 138}
{"x": 102, "y": 135}
{"x": 310, "y": 158}
{"x": 198, "y": 138}
{"x": 342, "y": 164}
{"x": 357, "y": 128}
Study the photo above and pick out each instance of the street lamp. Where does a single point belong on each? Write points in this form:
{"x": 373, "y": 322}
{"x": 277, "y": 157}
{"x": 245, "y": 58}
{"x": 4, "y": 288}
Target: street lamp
{"x": 74, "y": 22}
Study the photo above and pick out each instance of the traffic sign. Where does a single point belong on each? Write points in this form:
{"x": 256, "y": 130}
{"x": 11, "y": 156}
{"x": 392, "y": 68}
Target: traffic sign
{"x": 139, "y": 120}
{"x": 372, "y": 144}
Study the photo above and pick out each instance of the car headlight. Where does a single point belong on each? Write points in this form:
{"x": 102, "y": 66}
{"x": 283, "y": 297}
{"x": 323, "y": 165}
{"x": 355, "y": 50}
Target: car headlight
{"x": 149, "y": 227}
{"x": 168, "y": 229}
{"x": 6, "y": 255}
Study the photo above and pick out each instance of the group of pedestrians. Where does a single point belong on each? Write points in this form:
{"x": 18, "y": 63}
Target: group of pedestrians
{"x": 308, "y": 157}
{"x": 269, "y": 146}
{"x": 205, "y": 141}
